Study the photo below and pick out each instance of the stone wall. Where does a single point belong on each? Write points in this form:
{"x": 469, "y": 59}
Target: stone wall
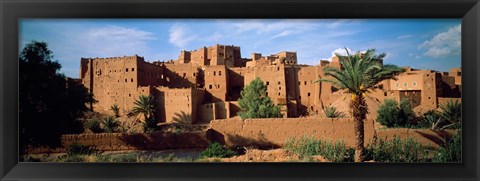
{"x": 444, "y": 100}
{"x": 275, "y": 131}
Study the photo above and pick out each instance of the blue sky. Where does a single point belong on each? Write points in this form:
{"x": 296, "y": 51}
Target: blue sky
{"x": 419, "y": 43}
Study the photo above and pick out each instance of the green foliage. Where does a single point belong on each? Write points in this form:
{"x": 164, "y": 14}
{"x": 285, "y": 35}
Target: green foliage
{"x": 451, "y": 114}
{"x": 331, "y": 112}
{"x": 49, "y": 103}
{"x": 430, "y": 119}
{"x": 397, "y": 150}
{"x": 116, "y": 110}
{"x": 110, "y": 124}
{"x": 217, "y": 150}
{"x": 360, "y": 72}
{"x": 255, "y": 103}
{"x": 306, "y": 147}
{"x": 94, "y": 125}
{"x": 391, "y": 114}
{"x": 78, "y": 149}
{"x": 145, "y": 105}
{"x": 451, "y": 150}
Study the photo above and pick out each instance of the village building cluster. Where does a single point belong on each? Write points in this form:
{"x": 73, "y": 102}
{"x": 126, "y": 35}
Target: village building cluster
{"x": 205, "y": 84}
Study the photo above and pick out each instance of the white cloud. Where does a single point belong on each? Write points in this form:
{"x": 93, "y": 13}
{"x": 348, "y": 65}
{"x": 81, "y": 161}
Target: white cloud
{"x": 277, "y": 28}
{"x": 404, "y": 36}
{"x": 213, "y": 38}
{"x": 180, "y": 36}
{"x": 444, "y": 43}
{"x": 110, "y": 41}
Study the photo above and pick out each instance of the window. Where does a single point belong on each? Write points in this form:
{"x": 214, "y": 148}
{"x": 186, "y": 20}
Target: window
{"x": 268, "y": 83}
{"x": 414, "y": 84}
{"x": 125, "y": 80}
{"x": 213, "y": 73}
{"x": 126, "y": 70}
{"x": 396, "y": 85}
{"x": 219, "y": 72}
{"x": 279, "y": 83}
{"x": 210, "y": 86}
{"x": 308, "y": 94}
{"x": 405, "y": 84}
{"x": 131, "y": 80}
{"x": 279, "y": 93}
{"x": 133, "y": 69}
{"x": 385, "y": 94}
{"x": 305, "y": 82}
{"x": 279, "y": 88}
{"x": 278, "y": 68}
{"x": 194, "y": 74}
{"x": 266, "y": 93}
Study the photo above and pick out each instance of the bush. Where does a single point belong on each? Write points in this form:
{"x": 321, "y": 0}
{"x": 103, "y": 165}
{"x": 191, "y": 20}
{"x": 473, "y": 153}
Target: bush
{"x": 116, "y": 110}
{"x": 78, "y": 149}
{"x": 94, "y": 126}
{"x": 331, "y": 112}
{"x": 391, "y": 114}
{"x": 451, "y": 114}
{"x": 306, "y": 147}
{"x": 396, "y": 150}
{"x": 451, "y": 150}
{"x": 110, "y": 124}
{"x": 217, "y": 150}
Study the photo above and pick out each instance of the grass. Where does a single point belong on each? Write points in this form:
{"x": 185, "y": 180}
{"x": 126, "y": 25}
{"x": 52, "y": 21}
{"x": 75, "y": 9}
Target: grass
{"x": 397, "y": 150}
{"x": 306, "y": 147}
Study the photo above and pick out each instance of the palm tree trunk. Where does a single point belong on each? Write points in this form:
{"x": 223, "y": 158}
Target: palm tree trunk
{"x": 359, "y": 111}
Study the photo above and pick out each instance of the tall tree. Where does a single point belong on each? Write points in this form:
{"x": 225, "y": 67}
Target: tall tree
{"x": 255, "y": 103}
{"x": 49, "y": 103}
{"x": 358, "y": 75}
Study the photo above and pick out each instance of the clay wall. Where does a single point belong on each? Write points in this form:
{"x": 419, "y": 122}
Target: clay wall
{"x": 445, "y": 100}
{"x": 150, "y": 74}
{"x": 457, "y": 74}
{"x": 178, "y": 104}
{"x": 275, "y": 131}
{"x": 181, "y": 75}
{"x": 308, "y": 94}
{"x": 213, "y": 111}
{"x": 216, "y": 83}
{"x": 236, "y": 80}
{"x": 111, "y": 80}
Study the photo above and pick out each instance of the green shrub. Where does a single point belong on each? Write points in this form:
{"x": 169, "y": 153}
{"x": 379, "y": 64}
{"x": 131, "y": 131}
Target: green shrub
{"x": 306, "y": 147}
{"x": 451, "y": 114}
{"x": 150, "y": 125}
{"x": 217, "y": 150}
{"x": 396, "y": 150}
{"x": 78, "y": 149}
{"x": 116, "y": 110}
{"x": 94, "y": 126}
{"x": 391, "y": 114}
{"x": 110, "y": 124}
{"x": 451, "y": 150}
{"x": 331, "y": 112}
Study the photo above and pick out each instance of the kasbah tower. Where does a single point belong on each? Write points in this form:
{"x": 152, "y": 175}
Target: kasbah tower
{"x": 205, "y": 84}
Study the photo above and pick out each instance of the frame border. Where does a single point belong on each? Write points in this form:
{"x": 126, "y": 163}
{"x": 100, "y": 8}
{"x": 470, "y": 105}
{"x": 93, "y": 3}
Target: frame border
{"x": 11, "y": 11}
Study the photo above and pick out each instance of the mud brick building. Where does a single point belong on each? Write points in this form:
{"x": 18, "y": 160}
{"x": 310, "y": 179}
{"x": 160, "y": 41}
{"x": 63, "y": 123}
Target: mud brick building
{"x": 205, "y": 84}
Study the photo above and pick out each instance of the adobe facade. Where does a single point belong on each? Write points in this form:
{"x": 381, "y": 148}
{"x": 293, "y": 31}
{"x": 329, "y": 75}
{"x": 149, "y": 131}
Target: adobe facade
{"x": 205, "y": 84}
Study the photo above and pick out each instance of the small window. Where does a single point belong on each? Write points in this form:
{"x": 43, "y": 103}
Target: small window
{"x": 268, "y": 83}
{"x": 385, "y": 94}
{"x": 214, "y": 73}
{"x": 414, "y": 84}
{"x": 279, "y": 82}
{"x": 396, "y": 85}
{"x": 210, "y": 86}
{"x": 279, "y": 88}
{"x": 125, "y": 80}
{"x": 194, "y": 74}
{"x": 299, "y": 83}
{"x": 131, "y": 80}
{"x": 126, "y": 70}
{"x": 308, "y": 94}
{"x": 219, "y": 72}
{"x": 133, "y": 69}
{"x": 266, "y": 93}
{"x": 405, "y": 84}
{"x": 305, "y": 82}
{"x": 279, "y": 93}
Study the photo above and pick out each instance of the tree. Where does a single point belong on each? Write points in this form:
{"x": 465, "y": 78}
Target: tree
{"x": 49, "y": 103}
{"x": 145, "y": 105}
{"x": 392, "y": 114}
{"x": 255, "y": 103}
{"x": 451, "y": 114}
{"x": 358, "y": 75}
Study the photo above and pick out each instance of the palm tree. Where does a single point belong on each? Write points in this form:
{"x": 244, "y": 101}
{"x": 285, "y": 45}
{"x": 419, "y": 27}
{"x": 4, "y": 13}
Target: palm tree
{"x": 145, "y": 105}
{"x": 116, "y": 110}
{"x": 451, "y": 114}
{"x": 358, "y": 75}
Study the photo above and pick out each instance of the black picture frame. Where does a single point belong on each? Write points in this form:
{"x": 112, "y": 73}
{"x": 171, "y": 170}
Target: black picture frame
{"x": 11, "y": 11}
